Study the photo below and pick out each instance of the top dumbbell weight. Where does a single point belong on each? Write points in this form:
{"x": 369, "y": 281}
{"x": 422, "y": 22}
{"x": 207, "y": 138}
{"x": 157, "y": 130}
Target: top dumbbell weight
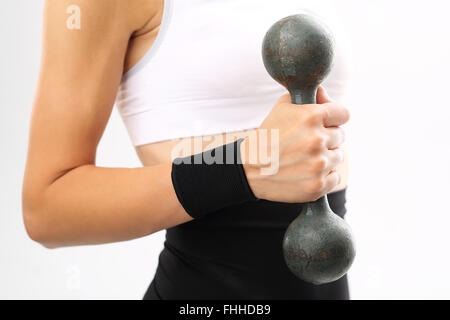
{"x": 298, "y": 53}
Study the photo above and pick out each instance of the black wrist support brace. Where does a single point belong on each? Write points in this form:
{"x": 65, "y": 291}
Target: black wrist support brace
{"x": 212, "y": 180}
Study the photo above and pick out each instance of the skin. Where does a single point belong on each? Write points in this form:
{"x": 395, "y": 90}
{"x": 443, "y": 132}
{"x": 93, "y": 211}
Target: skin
{"x": 68, "y": 200}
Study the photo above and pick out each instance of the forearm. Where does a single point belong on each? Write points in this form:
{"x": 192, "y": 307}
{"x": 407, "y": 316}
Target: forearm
{"x": 93, "y": 205}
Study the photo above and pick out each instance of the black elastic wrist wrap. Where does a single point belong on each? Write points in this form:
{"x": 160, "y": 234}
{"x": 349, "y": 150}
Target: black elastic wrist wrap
{"x": 212, "y": 180}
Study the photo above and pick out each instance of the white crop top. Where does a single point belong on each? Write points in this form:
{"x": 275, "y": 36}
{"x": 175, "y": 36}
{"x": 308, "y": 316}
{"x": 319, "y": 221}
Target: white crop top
{"x": 204, "y": 75}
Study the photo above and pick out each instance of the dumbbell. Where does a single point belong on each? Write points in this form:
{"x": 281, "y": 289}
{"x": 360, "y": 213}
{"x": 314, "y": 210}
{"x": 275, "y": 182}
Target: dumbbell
{"x": 298, "y": 53}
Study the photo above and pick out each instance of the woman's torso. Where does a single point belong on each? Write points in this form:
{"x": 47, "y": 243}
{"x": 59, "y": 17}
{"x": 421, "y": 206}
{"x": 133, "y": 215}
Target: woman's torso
{"x": 228, "y": 71}
{"x": 235, "y": 253}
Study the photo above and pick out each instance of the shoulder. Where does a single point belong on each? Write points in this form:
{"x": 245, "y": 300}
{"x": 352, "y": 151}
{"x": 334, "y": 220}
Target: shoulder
{"x": 126, "y": 15}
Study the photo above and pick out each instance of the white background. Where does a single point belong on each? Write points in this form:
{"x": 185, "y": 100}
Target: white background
{"x": 399, "y": 148}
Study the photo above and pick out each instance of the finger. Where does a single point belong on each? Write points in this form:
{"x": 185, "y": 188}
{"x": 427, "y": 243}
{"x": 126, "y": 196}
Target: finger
{"x": 332, "y": 181}
{"x": 322, "y": 96}
{"x": 335, "y": 159}
{"x": 335, "y": 137}
{"x": 334, "y": 114}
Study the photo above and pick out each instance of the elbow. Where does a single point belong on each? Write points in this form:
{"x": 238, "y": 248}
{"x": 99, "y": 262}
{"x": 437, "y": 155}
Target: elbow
{"x": 37, "y": 230}
{"x": 36, "y": 225}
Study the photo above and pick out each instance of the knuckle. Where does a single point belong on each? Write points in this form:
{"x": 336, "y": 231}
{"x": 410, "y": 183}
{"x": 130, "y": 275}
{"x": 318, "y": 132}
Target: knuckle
{"x": 320, "y": 164}
{"x": 315, "y": 117}
{"x": 315, "y": 187}
{"x": 316, "y": 143}
{"x": 319, "y": 185}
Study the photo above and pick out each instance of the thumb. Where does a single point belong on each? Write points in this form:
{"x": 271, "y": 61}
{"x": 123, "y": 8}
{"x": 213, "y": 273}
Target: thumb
{"x": 322, "y": 96}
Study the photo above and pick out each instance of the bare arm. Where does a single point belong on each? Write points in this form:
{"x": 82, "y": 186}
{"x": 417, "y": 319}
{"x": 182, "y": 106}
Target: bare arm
{"x": 67, "y": 200}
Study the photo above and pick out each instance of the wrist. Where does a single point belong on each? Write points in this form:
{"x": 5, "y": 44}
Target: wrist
{"x": 252, "y": 170}
{"x": 211, "y": 181}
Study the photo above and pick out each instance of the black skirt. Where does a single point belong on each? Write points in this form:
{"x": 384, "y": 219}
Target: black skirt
{"x": 237, "y": 254}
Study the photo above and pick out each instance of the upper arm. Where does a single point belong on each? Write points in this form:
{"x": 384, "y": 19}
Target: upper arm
{"x": 80, "y": 73}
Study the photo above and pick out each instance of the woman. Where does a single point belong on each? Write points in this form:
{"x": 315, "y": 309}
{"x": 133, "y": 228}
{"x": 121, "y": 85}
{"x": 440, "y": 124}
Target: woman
{"x": 180, "y": 69}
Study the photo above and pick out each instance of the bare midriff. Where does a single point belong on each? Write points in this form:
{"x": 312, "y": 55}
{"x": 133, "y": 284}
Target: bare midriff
{"x": 164, "y": 152}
